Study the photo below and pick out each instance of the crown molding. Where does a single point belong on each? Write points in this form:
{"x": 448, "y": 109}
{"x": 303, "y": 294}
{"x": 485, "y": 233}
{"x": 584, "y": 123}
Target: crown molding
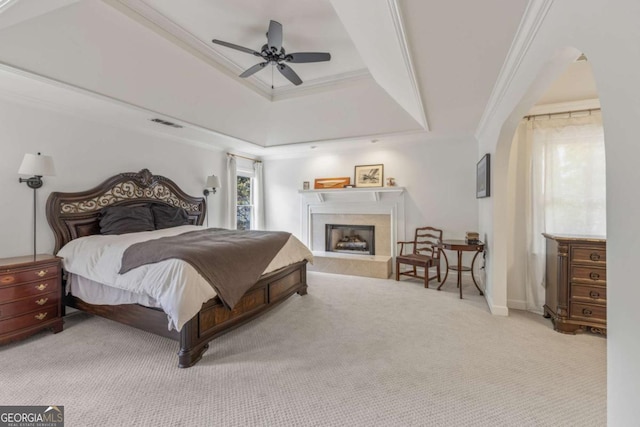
{"x": 321, "y": 85}
{"x": 165, "y": 27}
{"x": 396, "y": 16}
{"x": 6, "y": 4}
{"x": 532, "y": 18}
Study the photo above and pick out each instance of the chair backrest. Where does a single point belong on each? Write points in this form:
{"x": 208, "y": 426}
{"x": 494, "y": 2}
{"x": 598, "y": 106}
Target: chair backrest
{"x": 426, "y": 239}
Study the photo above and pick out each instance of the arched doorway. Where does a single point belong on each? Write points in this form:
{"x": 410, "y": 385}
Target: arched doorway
{"x": 556, "y": 181}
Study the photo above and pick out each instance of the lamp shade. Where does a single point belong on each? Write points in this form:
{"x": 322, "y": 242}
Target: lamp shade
{"x": 212, "y": 182}
{"x": 37, "y": 165}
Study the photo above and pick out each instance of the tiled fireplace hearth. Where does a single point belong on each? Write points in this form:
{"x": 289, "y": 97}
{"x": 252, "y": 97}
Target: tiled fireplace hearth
{"x": 381, "y": 210}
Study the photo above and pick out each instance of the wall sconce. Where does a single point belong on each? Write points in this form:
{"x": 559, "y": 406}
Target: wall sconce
{"x": 37, "y": 166}
{"x": 213, "y": 182}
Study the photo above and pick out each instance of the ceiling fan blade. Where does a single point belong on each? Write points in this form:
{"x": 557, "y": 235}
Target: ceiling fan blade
{"x": 289, "y": 74}
{"x": 274, "y": 36}
{"x": 254, "y": 69}
{"x": 236, "y": 47}
{"x": 301, "y": 57}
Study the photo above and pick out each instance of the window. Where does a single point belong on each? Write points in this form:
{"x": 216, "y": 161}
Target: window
{"x": 244, "y": 210}
{"x": 569, "y": 173}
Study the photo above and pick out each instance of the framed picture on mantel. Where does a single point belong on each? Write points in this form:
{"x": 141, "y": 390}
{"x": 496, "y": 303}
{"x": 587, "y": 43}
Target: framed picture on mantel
{"x": 483, "y": 177}
{"x": 369, "y": 175}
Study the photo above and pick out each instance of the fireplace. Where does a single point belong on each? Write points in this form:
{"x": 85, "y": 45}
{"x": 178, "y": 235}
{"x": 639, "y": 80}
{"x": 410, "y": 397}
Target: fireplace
{"x": 351, "y": 239}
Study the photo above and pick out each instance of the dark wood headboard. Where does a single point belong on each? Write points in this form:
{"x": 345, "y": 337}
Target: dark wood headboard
{"x": 73, "y": 215}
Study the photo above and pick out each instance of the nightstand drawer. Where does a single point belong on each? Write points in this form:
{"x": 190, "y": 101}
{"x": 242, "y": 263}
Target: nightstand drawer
{"x": 11, "y": 293}
{"x": 586, "y": 293}
{"x": 29, "y": 319}
{"x": 26, "y": 305}
{"x": 596, "y": 256}
{"x": 589, "y": 275}
{"x": 21, "y": 276}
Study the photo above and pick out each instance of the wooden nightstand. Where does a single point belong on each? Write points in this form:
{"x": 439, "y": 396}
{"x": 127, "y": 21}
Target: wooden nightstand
{"x": 30, "y": 296}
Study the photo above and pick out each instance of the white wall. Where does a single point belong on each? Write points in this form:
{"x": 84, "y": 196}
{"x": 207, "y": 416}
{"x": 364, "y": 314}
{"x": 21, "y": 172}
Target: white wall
{"x": 439, "y": 177}
{"x": 607, "y": 32}
{"x": 518, "y": 249}
{"x": 85, "y": 153}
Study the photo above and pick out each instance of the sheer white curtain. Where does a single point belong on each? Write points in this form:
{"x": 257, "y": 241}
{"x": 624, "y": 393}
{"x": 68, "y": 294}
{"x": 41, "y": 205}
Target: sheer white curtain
{"x": 567, "y": 188}
{"x": 258, "y": 196}
{"x": 232, "y": 193}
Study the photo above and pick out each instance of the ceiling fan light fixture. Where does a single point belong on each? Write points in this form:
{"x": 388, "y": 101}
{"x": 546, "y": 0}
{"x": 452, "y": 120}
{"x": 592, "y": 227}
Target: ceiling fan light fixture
{"x": 273, "y": 53}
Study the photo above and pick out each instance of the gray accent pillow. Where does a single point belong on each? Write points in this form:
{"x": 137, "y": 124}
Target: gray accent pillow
{"x": 166, "y": 216}
{"x": 126, "y": 219}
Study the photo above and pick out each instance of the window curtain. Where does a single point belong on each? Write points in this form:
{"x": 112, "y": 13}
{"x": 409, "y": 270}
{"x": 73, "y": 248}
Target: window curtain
{"x": 567, "y": 188}
{"x": 258, "y": 196}
{"x": 232, "y": 193}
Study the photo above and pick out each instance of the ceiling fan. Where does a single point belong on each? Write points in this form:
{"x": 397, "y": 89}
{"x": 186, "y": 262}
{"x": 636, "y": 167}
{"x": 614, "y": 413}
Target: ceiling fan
{"x": 273, "y": 53}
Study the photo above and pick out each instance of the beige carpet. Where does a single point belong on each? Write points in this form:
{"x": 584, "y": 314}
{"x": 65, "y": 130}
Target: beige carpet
{"x": 353, "y": 352}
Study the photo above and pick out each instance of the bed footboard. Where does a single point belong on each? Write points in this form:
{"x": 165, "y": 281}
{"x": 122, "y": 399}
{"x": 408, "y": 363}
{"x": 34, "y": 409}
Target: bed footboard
{"x": 214, "y": 319}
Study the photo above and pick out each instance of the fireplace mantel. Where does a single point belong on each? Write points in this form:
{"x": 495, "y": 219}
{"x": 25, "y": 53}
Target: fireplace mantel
{"x": 362, "y": 201}
{"x": 351, "y": 194}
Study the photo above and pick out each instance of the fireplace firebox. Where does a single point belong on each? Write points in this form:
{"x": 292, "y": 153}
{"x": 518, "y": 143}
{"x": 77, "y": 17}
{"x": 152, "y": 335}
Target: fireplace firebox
{"x": 352, "y": 239}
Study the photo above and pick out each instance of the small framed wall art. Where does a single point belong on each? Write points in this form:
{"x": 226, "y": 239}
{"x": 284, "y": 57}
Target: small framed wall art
{"x": 483, "y": 177}
{"x": 369, "y": 175}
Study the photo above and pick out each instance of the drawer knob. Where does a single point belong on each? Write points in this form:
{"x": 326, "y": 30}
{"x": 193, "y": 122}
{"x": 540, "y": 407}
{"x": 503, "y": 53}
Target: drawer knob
{"x": 594, "y": 294}
{"x": 7, "y": 279}
{"x": 594, "y": 276}
{"x": 42, "y": 286}
{"x": 587, "y": 312}
{"x": 40, "y": 316}
{"x": 42, "y": 273}
{"x": 42, "y": 301}
{"x": 594, "y": 256}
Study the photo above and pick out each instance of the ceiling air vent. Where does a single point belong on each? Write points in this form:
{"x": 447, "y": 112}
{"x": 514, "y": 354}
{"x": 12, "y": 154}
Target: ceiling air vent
{"x": 166, "y": 123}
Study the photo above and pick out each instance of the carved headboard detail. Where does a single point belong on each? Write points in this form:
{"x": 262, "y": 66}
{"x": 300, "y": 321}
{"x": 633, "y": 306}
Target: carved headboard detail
{"x": 73, "y": 215}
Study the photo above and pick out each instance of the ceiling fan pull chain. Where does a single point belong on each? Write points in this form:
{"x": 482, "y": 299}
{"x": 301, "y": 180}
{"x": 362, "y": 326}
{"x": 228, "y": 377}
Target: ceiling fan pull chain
{"x": 272, "y": 77}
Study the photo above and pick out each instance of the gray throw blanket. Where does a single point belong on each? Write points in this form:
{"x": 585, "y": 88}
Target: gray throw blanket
{"x": 231, "y": 261}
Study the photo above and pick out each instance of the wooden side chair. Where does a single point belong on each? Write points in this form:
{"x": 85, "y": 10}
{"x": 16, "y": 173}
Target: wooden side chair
{"x": 426, "y": 254}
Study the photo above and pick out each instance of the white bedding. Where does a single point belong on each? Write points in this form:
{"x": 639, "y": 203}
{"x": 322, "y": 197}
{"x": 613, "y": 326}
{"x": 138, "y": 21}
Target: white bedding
{"x": 174, "y": 284}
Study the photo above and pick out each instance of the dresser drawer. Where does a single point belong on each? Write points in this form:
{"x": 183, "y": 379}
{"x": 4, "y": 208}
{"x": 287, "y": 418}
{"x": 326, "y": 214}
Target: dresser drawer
{"x": 589, "y": 255}
{"x": 586, "y": 293}
{"x": 26, "y": 305}
{"x": 11, "y": 293}
{"x": 21, "y": 276}
{"x": 29, "y": 319}
{"x": 589, "y": 275}
{"x": 588, "y": 312}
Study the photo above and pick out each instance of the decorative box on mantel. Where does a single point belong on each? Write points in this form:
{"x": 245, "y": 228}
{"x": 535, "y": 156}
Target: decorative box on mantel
{"x": 382, "y": 207}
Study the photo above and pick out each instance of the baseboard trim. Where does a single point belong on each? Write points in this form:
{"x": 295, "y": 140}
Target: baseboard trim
{"x": 496, "y": 310}
{"x": 517, "y": 304}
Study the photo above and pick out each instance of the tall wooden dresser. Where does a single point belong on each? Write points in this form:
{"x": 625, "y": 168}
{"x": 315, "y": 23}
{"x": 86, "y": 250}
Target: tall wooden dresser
{"x": 576, "y": 280}
{"x": 30, "y": 296}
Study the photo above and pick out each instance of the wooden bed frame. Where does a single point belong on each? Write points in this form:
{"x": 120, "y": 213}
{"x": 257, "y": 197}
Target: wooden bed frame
{"x": 73, "y": 215}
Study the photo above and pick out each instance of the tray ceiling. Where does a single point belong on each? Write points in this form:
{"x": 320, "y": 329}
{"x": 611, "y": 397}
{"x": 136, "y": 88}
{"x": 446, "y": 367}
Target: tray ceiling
{"x": 395, "y": 64}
